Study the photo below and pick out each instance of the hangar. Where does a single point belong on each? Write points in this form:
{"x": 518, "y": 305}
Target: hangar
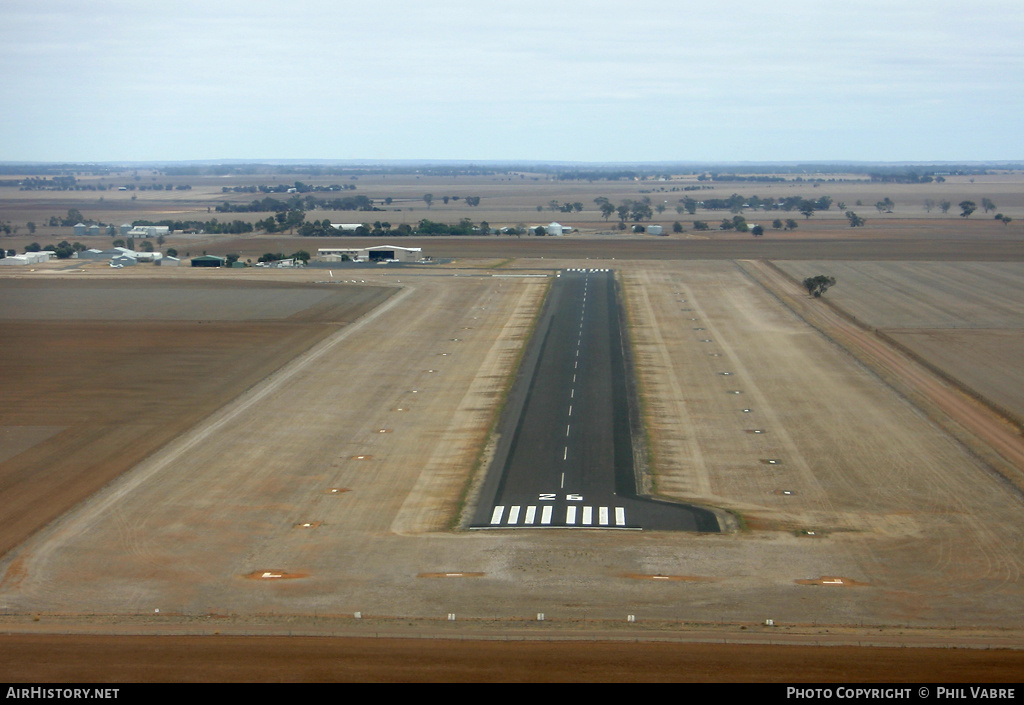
{"x": 377, "y": 253}
{"x": 209, "y": 261}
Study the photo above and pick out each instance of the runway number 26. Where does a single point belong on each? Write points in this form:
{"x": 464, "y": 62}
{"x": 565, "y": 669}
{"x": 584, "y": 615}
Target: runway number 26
{"x": 550, "y": 497}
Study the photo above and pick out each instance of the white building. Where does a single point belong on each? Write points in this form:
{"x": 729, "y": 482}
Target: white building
{"x": 377, "y": 253}
{"x": 29, "y": 258}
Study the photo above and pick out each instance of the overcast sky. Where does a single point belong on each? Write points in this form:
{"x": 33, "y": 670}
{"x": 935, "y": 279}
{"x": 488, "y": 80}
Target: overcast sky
{"x": 530, "y": 80}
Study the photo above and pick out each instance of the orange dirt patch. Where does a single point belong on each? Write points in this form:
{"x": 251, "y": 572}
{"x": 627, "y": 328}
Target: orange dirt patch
{"x": 275, "y": 575}
{"x": 831, "y": 580}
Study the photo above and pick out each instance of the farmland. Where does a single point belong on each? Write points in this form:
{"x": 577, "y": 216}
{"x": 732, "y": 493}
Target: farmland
{"x": 208, "y": 429}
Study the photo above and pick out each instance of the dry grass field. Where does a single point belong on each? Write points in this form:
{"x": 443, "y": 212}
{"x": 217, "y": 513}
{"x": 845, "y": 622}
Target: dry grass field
{"x": 261, "y": 452}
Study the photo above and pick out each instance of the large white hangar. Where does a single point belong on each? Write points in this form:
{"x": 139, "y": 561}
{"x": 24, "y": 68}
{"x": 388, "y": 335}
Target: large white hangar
{"x": 377, "y": 253}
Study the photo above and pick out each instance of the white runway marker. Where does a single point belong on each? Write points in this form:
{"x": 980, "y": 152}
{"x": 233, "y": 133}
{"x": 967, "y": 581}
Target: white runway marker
{"x": 545, "y": 515}
{"x": 620, "y": 516}
{"x": 570, "y": 515}
{"x": 513, "y": 515}
{"x": 496, "y": 514}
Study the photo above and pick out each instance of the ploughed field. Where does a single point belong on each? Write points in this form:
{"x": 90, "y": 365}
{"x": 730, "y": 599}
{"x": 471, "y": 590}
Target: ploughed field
{"x": 965, "y": 318}
{"x": 98, "y": 374}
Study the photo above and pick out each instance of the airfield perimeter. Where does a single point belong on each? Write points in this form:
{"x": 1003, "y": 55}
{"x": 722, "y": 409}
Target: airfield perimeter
{"x": 322, "y": 499}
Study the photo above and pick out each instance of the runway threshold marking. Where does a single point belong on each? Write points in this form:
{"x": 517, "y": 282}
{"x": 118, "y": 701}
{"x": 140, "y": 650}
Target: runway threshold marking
{"x": 575, "y": 515}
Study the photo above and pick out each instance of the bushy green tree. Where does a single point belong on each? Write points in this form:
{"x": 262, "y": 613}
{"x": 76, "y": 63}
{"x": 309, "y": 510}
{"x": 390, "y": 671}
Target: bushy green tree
{"x": 818, "y": 285}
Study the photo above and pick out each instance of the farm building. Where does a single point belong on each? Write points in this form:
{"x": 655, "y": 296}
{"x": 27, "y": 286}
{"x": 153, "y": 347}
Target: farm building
{"x": 29, "y": 258}
{"x": 382, "y": 253}
{"x": 93, "y": 253}
{"x": 209, "y": 261}
{"x": 149, "y": 231}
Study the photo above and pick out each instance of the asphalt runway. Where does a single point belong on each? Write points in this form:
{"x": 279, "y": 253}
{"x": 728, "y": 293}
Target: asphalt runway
{"x": 568, "y": 461}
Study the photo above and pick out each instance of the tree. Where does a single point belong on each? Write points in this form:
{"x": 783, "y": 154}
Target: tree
{"x": 855, "y": 220}
{"x": 1005, "y": 218}
{"x": 757, "y": 231}
{"x": 428, "y": 198}
{"x": 777, "y": 224}
{"x": 816, "y": 286}
{"x": 966, "y": 208}
{"x": 677, "y": 227}
{"x": 945, "y": 206}
{"x": 791, "y": 224}
{"x": 987, "y": 205}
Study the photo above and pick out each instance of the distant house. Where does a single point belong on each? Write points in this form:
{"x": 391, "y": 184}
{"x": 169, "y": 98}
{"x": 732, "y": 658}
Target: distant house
{"x": 149, "y": 231}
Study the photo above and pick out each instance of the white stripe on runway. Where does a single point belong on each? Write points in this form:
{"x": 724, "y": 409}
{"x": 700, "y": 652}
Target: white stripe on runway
{"x": 570, "y": 515}
{"x": 620, "y": 516}
{"x": 513, "y": 515}
{"x": 545, "y": 514}
{"x": 588, "y": 515}
{"x": 602, "y": 516}
{"x": 496, "y": 515}
{"x": 531, "y": 513}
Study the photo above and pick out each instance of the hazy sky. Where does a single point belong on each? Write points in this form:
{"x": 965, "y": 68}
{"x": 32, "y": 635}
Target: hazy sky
{"x": 532, "y": 80}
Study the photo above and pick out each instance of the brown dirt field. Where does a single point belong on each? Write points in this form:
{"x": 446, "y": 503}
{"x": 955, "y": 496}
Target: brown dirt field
{"x": 923, "y": 534}
{"x": 39, "y": 659}
{"x": 958, "y": 247}
{"x": 108, "y": 392}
